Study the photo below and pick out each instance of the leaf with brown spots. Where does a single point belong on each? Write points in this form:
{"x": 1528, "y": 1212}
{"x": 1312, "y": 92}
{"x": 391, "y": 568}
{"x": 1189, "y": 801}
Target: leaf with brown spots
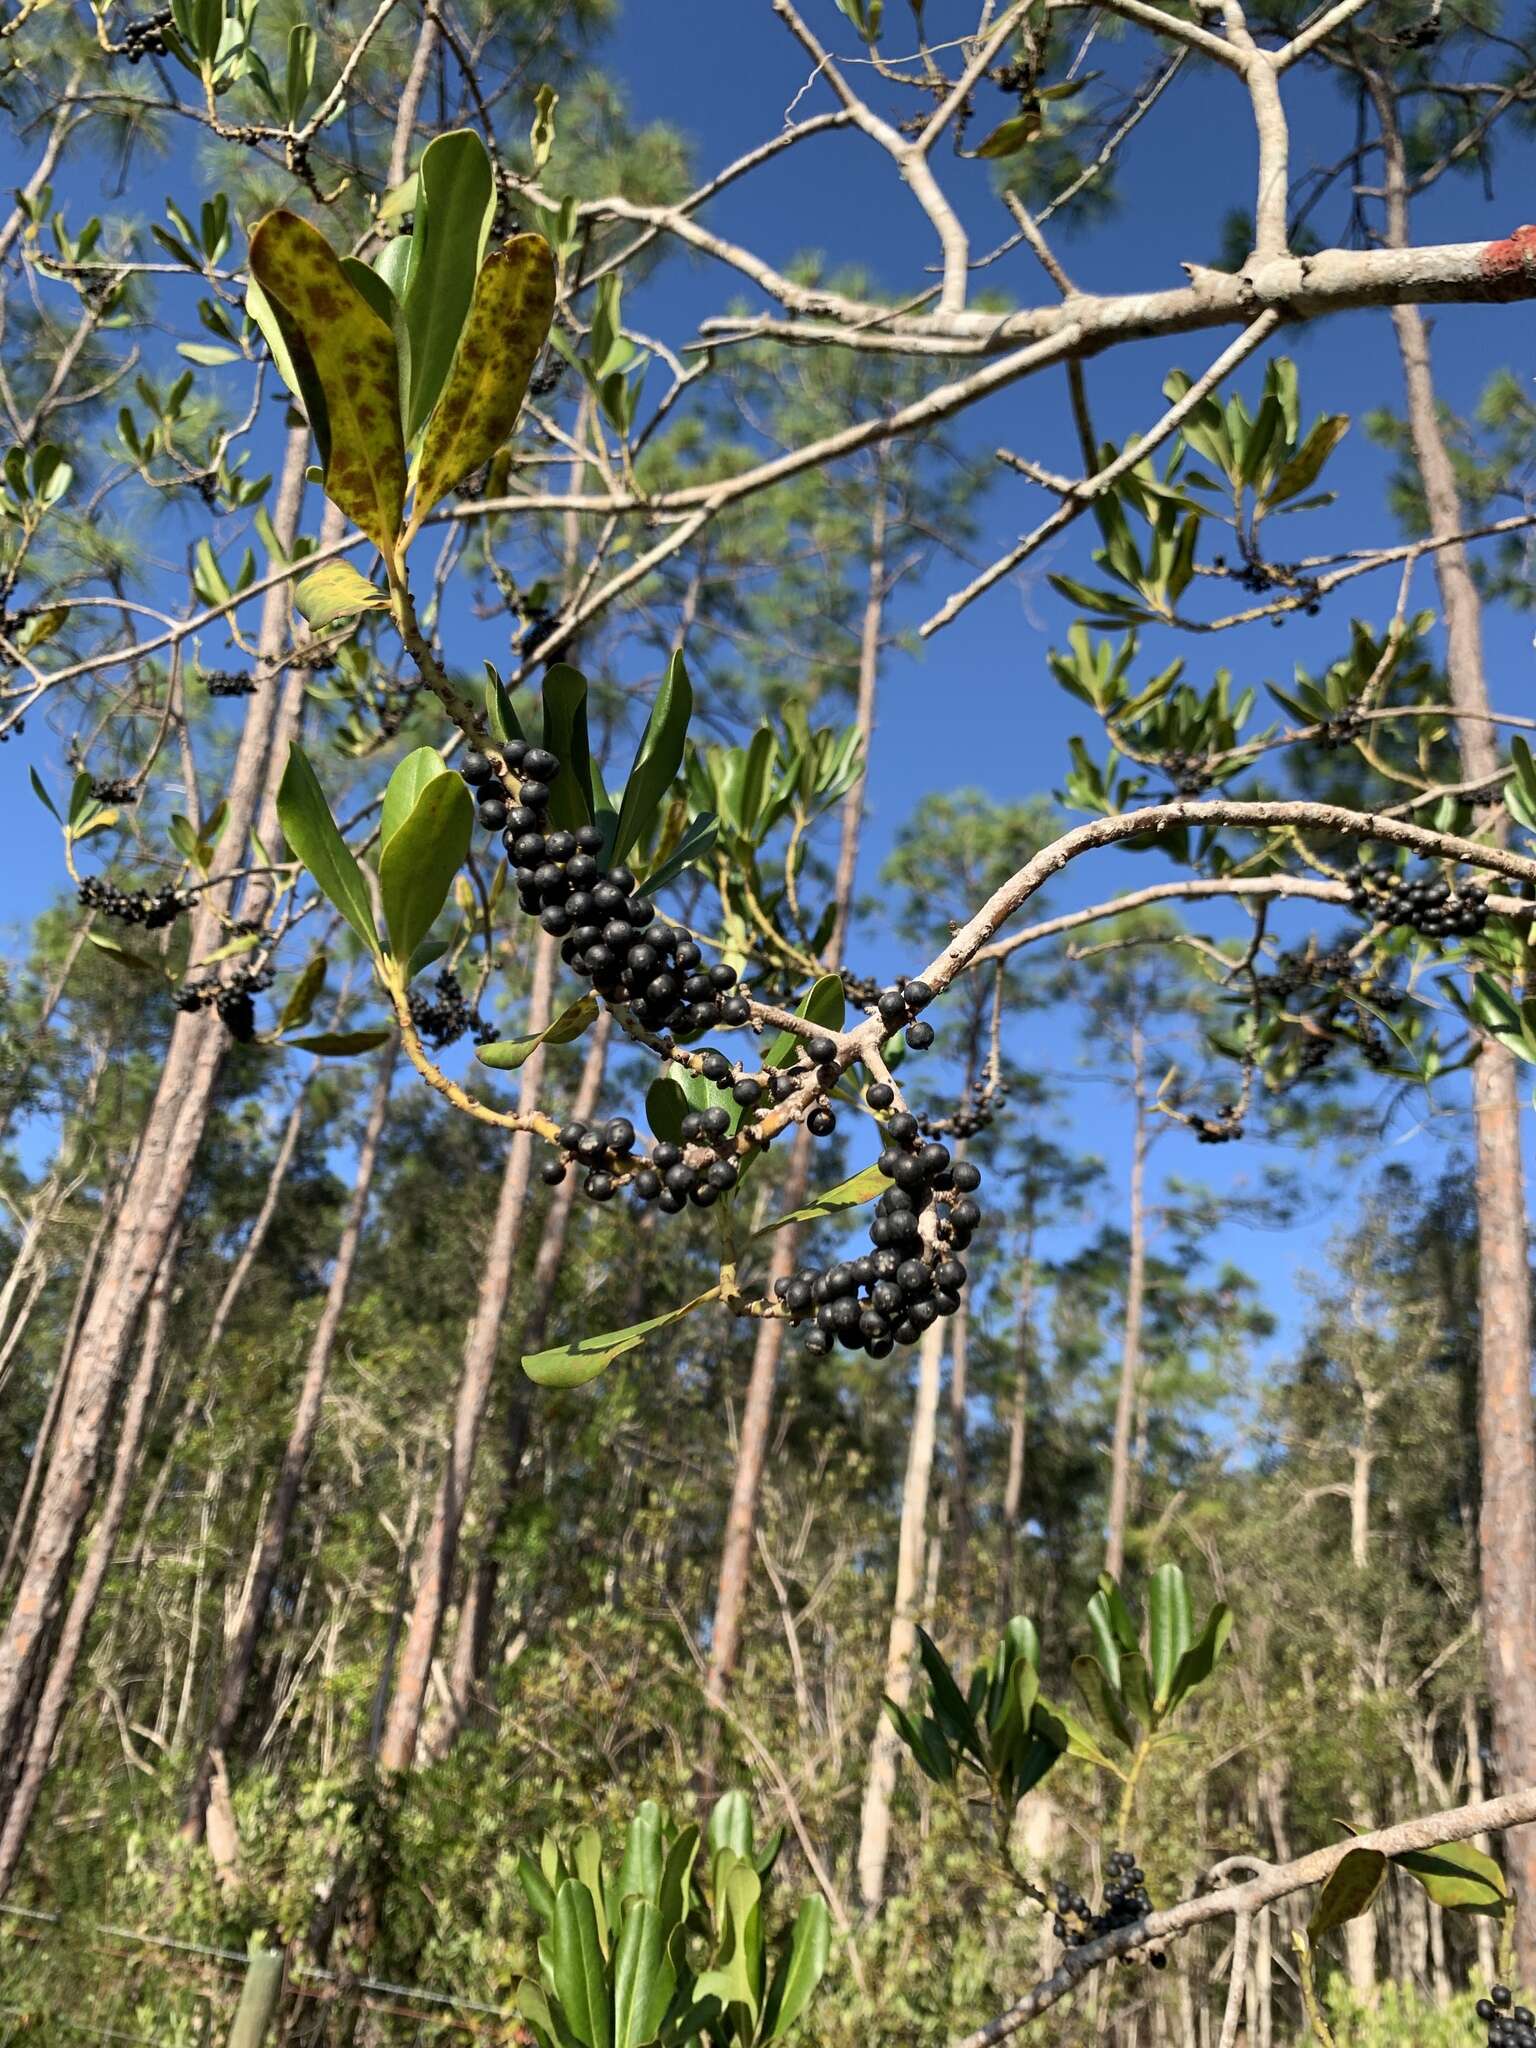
{"x": 513, "y": 305}
{"x": 353, "y": 353}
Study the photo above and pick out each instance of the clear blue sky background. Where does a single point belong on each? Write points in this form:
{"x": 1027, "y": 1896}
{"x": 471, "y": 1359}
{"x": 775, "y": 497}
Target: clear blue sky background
{"x": 977, "y": 706}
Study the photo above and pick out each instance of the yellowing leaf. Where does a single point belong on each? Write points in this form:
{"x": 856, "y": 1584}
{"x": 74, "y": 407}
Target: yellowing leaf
{"x": 513, "y": 305}
{"x": 353, "y": 353}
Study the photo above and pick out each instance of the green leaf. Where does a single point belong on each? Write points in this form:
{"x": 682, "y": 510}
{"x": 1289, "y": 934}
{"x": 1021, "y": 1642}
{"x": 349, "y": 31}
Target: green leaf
{"x": 301, "y": 997}
{"x": 810, "y": 1948}
{"x": 336, "y": 591}
{"x": 694, "y": 844}
{"x": 1349, "y": 1892}
{"x": 500, "y": 718}
{"x": 1102, "y": 1699}
{"x": 406, "y": 785}
{"x": 352, "y": 353}
{"x": 736, "y": 1979}
{"x": 573, "y": 1365}
{"x": 1012, "y": 135}
{"x": 513, "y": 306}
{"x": 1199, "y": 1660}
{"x": 657, "y": 758}
{"x": 1134, "y": 1689}
{"x": 730, "y": 1823}
{"x": 1106, "y": 1641}
{"x": 1301, "y": 472}
{"x": 541, "y": 1893}
{"x": 455, "y": 199}
{"x": 1069, "y": 1736}
{"x": 825, "y": 1005}
{"x": 580, "y": 1982}
{"x": 864, "y": 1186}
{"x": 114, "y": 949}
{"x": 419, "y": 862}
{"x": 665, "y": 1107}
{"x": 565, "y": 735}
{"x": 1169, "y": 1628}
{"x": 1119, "y": 1614}
{"x": 339, "y": 1044}
{"x": 675, "y": 1897}
{"x": 757, "y": 772}
{"x": 1459, "y": 1877}
{"x": 311, "y": 832}
{"x": 42, "y": 795}
{"x": 640, "y": 1871}
{"x": 643, "y": 1978}
{"x": 951, "y": 1709}
{"x": 507, "y": 1054}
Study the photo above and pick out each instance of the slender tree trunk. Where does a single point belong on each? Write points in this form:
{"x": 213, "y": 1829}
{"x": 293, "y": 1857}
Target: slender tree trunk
{"x": 1135, "y": 1290}
{"x": 1506, "y": 1441}
{"x": 880, "y": 1783}
{"x": 98, "y": 1561}
{"x": 397, "y": 1752}
{"x": 757, "y": 1411}
{"x": 167, "y": 1148}
{"x": 278, "y": 1521}
{"x": 37, "y": 1464}
{"x": 1018, "y": 1429}
{"x": 472, "y": 1636}
{"x": 261, "y": 1223}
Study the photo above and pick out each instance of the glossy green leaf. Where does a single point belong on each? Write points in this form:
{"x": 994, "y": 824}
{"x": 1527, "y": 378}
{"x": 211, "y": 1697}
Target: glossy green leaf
{"x": 565, "y": 735}
{"x": 1134, "y": 1687}
{"x": 694, "y": 844}
{"x": 541, "y": 1893}
{"x": 658, "y": 757}
{"x": 533, "y": 2006}
{"x": 311, "y": 832}
{"x": 339, "y": 1045}
{"x": 736, "y": 1979}
{"x": 42, "y": 795}
{"x": 421, "y": 858}
{"x": 826, "y": 1005}
{"x": 352, "y": 351}
{"x": 675, "y": 1896}
{"x": 865, "y": 1186}
{"x": 1102, "y": 1699}
{"x": 1069, "y": 1736}
{"x": 640, "y": 1871}
{"x": 580, "y": 1981}
{"x": 301, "y": 998}
{"x": 1458, "y": 1877}
{"x": 1114, "y": 1600}
{"x": 405, "y": 787}
{"x": 513, "y": 306}
{"x": 336, "y": 591}
{"x": 665, "y": 1107}
{"x": 1169, "y": 1627}
{"x": 507, "y": 1054}
{"x": 1199, "y": 1660}
{"x": 643, "y": 1978}
{"x": 500, "y": 718}
{"x": 454, "y": 201}
{"x": 803, "y": 1967}
{"x": 950, "y": 1707}
{"x": 1349, "y": 1892}
{"x": 114, "y": 949}
{"x": 1106, "y": 1643}
{"x": 573, "y": 1365}
{"x": 730, "y": 1823}
{"x": 1012, "y": 135}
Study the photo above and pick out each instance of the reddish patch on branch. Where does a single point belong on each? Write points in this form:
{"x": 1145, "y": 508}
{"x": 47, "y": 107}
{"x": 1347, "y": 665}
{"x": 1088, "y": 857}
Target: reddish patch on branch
{"x": 1509, "y": 267}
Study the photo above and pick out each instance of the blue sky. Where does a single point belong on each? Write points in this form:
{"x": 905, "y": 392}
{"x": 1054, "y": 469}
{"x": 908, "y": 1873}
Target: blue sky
{"x": 977, "y": 706}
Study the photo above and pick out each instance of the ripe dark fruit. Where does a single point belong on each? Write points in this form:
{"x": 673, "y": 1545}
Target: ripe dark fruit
{"x": 822, "y": 1051}
{"x": 892, "y": 1006}
{"x": 748, "y": 1092}
{"x": 879, "y": 1095}
{"x": 553, "y": 1171}
{"x": 821, "y": 1123}
{"x": 539, "y": 763}
{"x": 620, "y": 1134}
{"x": 919, "y": 1036}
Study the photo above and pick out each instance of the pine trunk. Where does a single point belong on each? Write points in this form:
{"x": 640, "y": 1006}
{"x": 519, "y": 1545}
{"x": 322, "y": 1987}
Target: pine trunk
{"x": 152, "y": 1204}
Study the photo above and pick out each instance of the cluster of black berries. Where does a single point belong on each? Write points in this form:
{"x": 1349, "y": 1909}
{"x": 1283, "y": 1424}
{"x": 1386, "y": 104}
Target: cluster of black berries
{"x": 1189, "y": 773}
{"x": 975, "y": 1114}
{"x": 1221, "y": 1129}
{"x": 1430, "y": 906}
{"x": 152, "y": 908}
{"x": 608, "y": 933}
{"x": 898, "y": 1006}
{"x": 107, "y": 789}
{"x": 230, "y": 682}
{"x": 668, "y": 1177}
{"x": 1509, "y": 2025}
{"x": 146, "y": 38}
{"x": 891, "y": 1295}
{"x": 233, "y": 999}
{"x": 443, "y": 1019}
{"x": 1125, "y": 1902}
{"x": 1340, "y": 730}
